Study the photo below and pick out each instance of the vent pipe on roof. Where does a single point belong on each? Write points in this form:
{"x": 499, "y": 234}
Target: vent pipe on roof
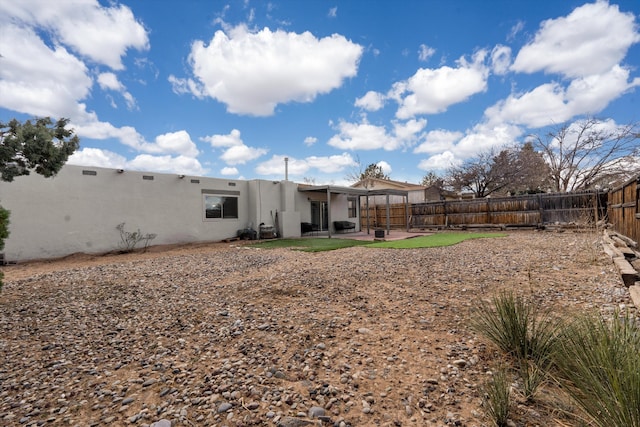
{"x": 286, "y": 169}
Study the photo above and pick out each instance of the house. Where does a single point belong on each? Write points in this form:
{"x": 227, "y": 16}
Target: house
{"x": 79, "y": 209}
{"x": 416, "y": 193}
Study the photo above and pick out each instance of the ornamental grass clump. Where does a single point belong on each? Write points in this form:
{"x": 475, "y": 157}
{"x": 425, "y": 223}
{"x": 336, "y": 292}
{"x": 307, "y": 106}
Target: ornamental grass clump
{"x": 523, "y": 332}
{"x": 497, "y": 397}
{"x": 598, "y": 364}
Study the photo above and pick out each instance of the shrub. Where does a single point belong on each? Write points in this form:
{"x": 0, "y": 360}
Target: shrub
{"x": 4, "y": 233}
{"x": 598, "y": 363}
{"x": 130, "y": 239}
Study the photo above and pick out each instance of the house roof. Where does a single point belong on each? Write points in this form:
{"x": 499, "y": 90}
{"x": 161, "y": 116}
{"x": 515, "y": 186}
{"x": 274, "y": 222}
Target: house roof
{"x": 351, "y": 190}
{"x": 387, "y": 184}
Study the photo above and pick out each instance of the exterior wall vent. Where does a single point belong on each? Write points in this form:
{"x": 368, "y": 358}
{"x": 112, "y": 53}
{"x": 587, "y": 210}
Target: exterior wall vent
{"x": 195, "y": 181}
{"x": 88, "y": 172}
{"x": 232, "y": 184}
{"x": 147, "y": 177}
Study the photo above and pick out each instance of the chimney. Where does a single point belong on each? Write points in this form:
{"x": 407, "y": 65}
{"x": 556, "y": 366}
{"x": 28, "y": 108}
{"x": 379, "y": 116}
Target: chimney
{"x": 286, "y": 169}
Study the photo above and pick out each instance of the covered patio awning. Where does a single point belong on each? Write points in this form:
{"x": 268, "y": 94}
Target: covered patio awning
{"x": 359, "y": 192}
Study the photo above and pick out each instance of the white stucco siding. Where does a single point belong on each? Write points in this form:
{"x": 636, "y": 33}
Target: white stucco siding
{"x": 76, "y": 212}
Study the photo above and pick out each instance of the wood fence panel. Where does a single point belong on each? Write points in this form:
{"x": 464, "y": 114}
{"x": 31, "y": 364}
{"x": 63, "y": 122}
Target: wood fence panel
{"x": 378, "y": 216}
{"x": 525, "y": 210}
{"x": 624, "y": 209}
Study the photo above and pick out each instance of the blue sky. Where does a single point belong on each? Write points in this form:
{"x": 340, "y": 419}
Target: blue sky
{"x": 228, "y": 89}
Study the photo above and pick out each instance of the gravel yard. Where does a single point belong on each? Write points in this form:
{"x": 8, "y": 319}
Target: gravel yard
{"x": 227, "y": 335}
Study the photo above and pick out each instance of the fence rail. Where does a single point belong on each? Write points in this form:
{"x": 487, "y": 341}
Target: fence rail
{"x": 624, "y": 209}
{"x": 526, "y": 210}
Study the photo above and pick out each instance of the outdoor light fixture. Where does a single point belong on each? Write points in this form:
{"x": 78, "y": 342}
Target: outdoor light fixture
{"x": 120, "y": 170}
{"x": 180, "y": 176}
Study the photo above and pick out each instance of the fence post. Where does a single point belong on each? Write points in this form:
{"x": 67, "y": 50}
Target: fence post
{"x": 540, "y": 209}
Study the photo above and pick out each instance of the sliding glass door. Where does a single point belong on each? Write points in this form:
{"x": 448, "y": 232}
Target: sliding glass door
{"x": 320, "y": 215}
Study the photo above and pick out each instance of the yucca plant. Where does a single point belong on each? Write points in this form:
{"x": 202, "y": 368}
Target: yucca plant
{"x": 497, "y": 397}
{"x": 524, "y": 332}
{"x": 598, "y": 363}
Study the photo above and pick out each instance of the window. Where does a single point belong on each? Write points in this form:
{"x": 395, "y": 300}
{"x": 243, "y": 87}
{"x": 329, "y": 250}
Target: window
{"x": 220, "y": 207}
{"x": 352, "y": 208}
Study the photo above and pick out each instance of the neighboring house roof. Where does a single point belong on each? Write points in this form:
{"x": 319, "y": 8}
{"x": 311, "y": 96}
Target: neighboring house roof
{"x": 378, "y": 183}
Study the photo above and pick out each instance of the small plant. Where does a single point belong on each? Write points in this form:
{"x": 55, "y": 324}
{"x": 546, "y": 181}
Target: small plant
{"x": 497, "y": 397}
{"x": 4, "y": 233}
{"x": 523, "y": 332}
{"x": 598, "y": 363}
{"x": 130, "y": 239}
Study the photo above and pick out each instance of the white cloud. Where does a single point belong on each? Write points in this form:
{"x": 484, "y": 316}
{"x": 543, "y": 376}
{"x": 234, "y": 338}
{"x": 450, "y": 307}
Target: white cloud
{"x": 298, "y": 167}
{"x": 235, "y": 151}
{"x": 241, "y": 154}
{"x": 31, "y": 88}
{"x": 230, "y": 140}
{"x": 331, "y": 164}
{"x": 100, "y": 33}
{"x": 425, "y": 52}
{"x": 365, "y": 136}
{"x": 44, "y": 46}
{"x": 253, "y": 72}
{"x": 590, "y": 40}
{"x": 371, "y": 101}
{"x": 168, "y": 164}
{"x": 310, "y": 140}
{"x": 275, "y": 166}
{"x": 440, "y": 161}
{"x": 451, "y": 148}
{"x": 173, "y": 142}
{"x": 109, "y": 81}
{"x": 386, "y": 167}
{"x": 97, "y": 157}
{"x": 552, "y": 103}
{"x": 483, "y": 137}
{"x": 409, "y": 131}
{"x": 438, "y": 141}
{"x": 431, "y": 91}
{"x": 144, "y": 162}
{"x": 515, "y": 30}
{"x": 228, "y": 171}
{"x": 500, "y": 59}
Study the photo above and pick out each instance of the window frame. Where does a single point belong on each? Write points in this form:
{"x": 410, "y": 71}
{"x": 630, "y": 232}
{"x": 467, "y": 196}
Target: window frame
{"x": 352, "y": 207}
{"x": 233, "y": 209}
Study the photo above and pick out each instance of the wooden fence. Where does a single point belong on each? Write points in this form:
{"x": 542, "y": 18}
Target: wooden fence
{"x": 624, "y": 209}
{"x": 515, "y": 211}
{"x": 378, "y": 216}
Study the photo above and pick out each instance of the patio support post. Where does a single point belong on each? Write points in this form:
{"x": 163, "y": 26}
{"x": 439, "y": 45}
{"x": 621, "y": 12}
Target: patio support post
{"x": 387, "y": 214}
{"x": 329, "y": 211}
{"x": 368, "y": 223}
{"x": 406, "y": 211}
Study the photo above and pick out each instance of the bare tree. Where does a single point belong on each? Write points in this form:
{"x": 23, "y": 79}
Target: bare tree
{"x": 587, "y": 152}
{"x": 512, "y": 170}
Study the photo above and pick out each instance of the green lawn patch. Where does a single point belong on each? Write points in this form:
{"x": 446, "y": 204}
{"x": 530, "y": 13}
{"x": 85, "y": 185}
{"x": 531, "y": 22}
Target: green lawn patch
{"x": 323, "y": 244}
{"x": 311, "y": 244}
{"x": 433, "y": 240}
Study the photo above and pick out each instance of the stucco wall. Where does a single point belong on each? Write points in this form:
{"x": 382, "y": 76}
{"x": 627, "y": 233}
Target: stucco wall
{"x": 75, "y": 212}
{"x": 78, "y": 210}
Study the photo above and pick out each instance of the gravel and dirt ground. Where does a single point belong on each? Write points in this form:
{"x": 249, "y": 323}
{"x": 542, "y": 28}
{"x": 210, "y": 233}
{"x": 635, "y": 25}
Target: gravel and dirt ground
{"x": 228, "y": 335}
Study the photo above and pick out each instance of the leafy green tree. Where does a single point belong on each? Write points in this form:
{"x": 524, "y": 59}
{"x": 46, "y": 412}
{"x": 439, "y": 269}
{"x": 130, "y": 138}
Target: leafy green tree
{"x": 41, "y": 146}
{"x": 373, "y": 171}
{"x": 432, "y": 179}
